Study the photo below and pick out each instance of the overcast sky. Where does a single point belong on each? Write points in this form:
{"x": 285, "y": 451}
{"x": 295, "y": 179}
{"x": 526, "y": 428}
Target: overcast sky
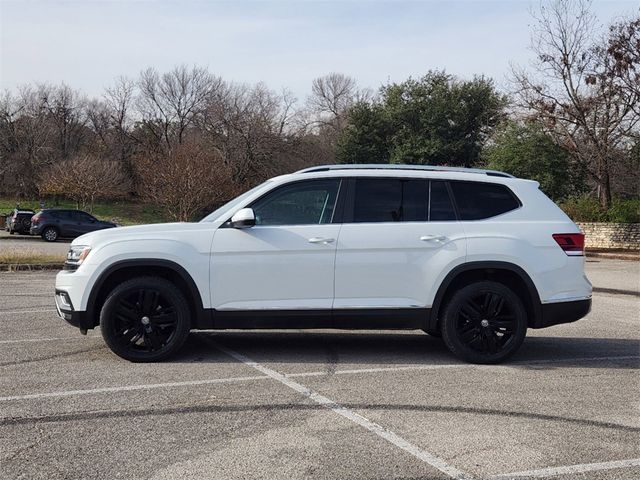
{"x": 283, "y": 43}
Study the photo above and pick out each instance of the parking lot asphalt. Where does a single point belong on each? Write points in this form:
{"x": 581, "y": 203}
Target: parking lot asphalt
{"x": 32, "y": 244}
{"x": 320, "y": 404}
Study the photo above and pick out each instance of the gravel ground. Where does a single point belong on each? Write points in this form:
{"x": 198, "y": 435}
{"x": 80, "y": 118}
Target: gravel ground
{"x": 320, "y": 404}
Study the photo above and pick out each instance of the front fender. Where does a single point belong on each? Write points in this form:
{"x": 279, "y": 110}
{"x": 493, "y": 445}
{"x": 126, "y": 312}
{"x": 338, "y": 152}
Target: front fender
{"x": 189, "y": 260}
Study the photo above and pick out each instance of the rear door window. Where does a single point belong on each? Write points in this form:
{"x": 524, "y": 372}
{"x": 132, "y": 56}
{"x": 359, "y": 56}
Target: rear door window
{"x": 390, "y": 200}
{"x": 83, "y": 217}
{"x": 477, "y": 201}
{"x": 440, "y": 205}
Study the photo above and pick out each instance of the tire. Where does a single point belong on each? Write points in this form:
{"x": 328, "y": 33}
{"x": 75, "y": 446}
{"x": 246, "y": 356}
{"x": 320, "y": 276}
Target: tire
{"x": 145, "y": 319}
{"x": 50, "y": 234}
{"x": 484, "y": 322}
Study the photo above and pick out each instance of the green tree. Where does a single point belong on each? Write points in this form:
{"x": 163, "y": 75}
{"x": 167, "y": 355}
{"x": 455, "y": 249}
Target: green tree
{"x": 526, "y": 151}
{"x": 435, "y": 120}
{"x": 364, "y": 140}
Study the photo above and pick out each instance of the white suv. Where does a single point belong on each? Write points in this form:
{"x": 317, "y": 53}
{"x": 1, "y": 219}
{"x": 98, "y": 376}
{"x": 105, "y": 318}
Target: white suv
{"x": 474, "y": 256}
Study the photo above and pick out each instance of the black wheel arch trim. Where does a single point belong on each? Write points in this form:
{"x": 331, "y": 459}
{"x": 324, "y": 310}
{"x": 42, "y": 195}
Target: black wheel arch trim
{"x": 485, "y": 265}
{"x": 202, "y": 315}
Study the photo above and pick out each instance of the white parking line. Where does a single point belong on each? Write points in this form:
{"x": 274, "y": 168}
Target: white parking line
{"x": 570, "y": 469}
{"x": 129, "y": 388}
{"x": 356, "y": 418}
{"x": 13, "y": 312}
{"x": 461, "y": 365}
{"x": 48, "y": 339}
{"x": 379, "y": 370}
{"x": 323, "y": 373}
{"x": 572, "y": 360}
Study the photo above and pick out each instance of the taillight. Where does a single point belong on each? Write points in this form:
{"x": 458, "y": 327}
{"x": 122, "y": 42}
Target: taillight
{"x": 571, "y": 243}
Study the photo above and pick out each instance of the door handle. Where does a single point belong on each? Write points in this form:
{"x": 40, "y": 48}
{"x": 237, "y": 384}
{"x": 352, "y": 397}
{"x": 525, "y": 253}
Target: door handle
{"x": 433, "y": 238}
{"x": 321, "y": 240}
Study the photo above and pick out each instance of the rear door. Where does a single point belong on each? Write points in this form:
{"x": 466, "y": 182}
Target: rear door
{"x": 399, "y": 236}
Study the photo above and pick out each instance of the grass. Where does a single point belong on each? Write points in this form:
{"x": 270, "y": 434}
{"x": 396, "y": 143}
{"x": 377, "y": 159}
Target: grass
{"x": 123, "y": 212}
{"x": 22, "y": 256}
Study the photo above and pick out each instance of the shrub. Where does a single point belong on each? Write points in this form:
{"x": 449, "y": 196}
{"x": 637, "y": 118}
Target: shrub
{"x": 587, "y": 209}
{"x": 624, "y": 211}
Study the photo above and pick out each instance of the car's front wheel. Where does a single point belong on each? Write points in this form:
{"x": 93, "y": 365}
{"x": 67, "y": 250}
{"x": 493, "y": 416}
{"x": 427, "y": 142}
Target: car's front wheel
{"x": 50, "y": 234}
{"x": 145, "y": 319}
{"x": 484, "y": 322}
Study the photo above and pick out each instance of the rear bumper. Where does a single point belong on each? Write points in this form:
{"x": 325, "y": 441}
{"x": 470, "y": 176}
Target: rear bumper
{"x": 562, "y": 312}
{"x": 35, "y": 230}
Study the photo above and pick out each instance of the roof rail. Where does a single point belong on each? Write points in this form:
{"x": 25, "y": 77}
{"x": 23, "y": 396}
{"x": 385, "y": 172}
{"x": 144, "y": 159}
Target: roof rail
{"x": 389, "y": 166}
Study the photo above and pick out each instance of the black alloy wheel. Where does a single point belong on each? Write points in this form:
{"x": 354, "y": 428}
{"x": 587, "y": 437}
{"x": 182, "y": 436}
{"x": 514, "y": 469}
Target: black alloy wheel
{"x": 484, "y": 322}
{"x": 145, "y": 319}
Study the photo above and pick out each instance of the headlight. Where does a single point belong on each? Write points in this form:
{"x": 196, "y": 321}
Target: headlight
{"x": 77, "y": 254}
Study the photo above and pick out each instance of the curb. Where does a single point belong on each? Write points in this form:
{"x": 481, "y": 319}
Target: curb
{"x": 615, "y": 291}
{"x": 27, "y": 267}
{"x": 613, "y": 256}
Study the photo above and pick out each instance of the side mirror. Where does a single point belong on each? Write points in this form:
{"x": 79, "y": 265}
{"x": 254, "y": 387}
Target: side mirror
{"x": 244, "y": 218}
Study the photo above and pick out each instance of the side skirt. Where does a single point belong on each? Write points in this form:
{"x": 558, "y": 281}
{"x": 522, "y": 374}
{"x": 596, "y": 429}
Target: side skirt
{"x": 353, "y": 319}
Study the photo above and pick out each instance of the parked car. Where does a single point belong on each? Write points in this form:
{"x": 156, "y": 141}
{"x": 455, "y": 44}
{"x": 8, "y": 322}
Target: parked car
{"x": 474, "y": 256}
{"x": 54, "y": 223}
{"x": 19, "y": 221}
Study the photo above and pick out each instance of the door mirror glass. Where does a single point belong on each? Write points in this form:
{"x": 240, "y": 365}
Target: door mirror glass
{"x": 243, "y": 218}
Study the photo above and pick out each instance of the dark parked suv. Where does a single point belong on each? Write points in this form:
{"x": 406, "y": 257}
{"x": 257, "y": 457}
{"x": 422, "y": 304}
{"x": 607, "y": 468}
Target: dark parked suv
{"x": 19, "y": 221}
{"x": 54, "y": 223}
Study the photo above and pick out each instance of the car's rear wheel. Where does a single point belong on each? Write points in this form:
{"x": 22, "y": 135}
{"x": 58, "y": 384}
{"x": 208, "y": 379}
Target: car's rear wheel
{"x": 145, "y": 319}
{"x": 50, "y": 234}
{"x": 484, "y": 322}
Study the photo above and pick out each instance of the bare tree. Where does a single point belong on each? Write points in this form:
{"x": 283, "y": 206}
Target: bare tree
{"x": 331, "y": 97}
{"x": 623, "y": 50}
{"x": 112, "y": 122}
{"x": 66, "y": 114}
{"x": 119, "y": 100}
{"x": 85, "y": 179}
{"x": 24, "y": 140}
{"x": 573, "y": 89}
{"x": 185, "y": 180}
{"x": 169, "y": 103}
{"x": 251, "y": 127}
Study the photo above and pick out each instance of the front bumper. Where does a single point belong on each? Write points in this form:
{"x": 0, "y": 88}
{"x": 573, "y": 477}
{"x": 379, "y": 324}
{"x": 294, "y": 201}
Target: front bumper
{"x": 563, "y": 312}
{"x": 66, "y": 312}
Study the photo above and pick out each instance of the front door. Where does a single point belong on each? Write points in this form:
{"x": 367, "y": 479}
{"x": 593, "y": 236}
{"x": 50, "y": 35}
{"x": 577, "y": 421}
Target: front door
{"x": 286, "y": 261}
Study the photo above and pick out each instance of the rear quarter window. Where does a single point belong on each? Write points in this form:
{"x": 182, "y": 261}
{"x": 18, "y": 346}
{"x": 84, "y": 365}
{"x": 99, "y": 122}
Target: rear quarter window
{"x": 477, "y": 201}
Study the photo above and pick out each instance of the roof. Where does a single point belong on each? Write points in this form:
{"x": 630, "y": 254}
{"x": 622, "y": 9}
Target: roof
{"x": 388, "y": 166}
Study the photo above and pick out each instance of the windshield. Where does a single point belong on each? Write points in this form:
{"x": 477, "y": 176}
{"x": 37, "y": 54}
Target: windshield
{"x": 228, "y": 207}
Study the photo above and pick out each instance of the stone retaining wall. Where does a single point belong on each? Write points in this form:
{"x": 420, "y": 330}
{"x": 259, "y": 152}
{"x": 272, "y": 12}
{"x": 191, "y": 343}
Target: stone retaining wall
{"x": 624, "y": 236}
